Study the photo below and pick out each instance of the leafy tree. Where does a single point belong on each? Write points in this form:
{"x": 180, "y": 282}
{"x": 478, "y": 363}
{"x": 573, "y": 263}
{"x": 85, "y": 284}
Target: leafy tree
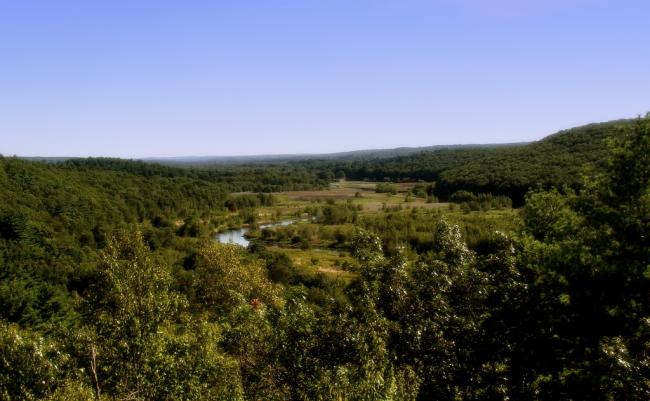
{"x": 587, "y": 333}
{"x": 141, "y": 351}
{"x": 131, "y": 304}
{"x": 30, "y": 366}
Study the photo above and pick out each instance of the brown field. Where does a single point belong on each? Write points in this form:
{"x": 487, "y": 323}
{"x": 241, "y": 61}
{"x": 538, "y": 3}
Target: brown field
{"x": 358, "y": 192}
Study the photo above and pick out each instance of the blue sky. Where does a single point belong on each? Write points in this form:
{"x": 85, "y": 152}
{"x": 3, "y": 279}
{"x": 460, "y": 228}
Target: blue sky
{"x": 161, "y": 78}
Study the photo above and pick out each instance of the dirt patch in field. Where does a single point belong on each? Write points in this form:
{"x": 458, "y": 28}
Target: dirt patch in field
{"x": 330, "y": 270}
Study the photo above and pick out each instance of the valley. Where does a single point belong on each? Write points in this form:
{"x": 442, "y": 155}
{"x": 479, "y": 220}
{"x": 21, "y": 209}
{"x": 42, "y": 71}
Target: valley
{"x": 328, "y": 278}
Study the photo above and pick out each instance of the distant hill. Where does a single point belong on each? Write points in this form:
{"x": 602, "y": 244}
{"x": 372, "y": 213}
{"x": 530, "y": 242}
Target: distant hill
{"x": 365, "y": 154}
{"x": 503, "y": 169}
{"x": 559, "y": 159}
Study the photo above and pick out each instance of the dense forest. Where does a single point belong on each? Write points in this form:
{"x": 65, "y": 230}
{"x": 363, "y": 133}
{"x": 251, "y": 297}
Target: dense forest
{"x": 233, "y": 178}
{"x": 510, "y": 170}
{"x": 112, "y": 287}
{"x": 560, "y": 159}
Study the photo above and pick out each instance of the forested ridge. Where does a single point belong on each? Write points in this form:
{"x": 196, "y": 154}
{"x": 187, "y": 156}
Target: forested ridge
{"x": 53, "y": 219}
{"x": 510, "y": 170}
{"x": 232, "y": 178}
{"x": 112, "y": 287}
{"x": 557, "y": 160}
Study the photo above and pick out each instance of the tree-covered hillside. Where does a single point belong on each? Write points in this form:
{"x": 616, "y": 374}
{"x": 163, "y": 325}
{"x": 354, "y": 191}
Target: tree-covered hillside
{"x": 54, "y": 218}
{"x": 234, "y": 178}
{"x": 560, "y": 159}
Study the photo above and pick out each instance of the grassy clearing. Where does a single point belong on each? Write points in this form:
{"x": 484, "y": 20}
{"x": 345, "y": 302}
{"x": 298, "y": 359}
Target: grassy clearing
{"x": 314, "y": 261}
{"x": 292, "y": 203}
{"x": 313, "y": 253}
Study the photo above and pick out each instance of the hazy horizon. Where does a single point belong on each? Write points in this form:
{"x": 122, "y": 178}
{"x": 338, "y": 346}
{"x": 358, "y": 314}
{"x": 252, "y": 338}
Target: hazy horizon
{"x": 304, "y": 153}
{"x": 165, "y": 79}
{"x": 189, "y": 156}
{"x": 307, "y": 153}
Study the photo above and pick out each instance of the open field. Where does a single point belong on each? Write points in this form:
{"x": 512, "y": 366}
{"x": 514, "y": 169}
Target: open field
{"x": 313, "y": 246}
{"x": 314, "y": 261}
{"x": 291, "y": 203}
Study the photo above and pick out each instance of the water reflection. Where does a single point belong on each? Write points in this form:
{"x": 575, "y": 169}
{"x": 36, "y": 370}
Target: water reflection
{"x": 238, "y": 236}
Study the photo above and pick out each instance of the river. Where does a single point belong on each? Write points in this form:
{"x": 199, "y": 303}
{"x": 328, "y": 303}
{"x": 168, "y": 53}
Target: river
{"x": 238, "y": 236}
